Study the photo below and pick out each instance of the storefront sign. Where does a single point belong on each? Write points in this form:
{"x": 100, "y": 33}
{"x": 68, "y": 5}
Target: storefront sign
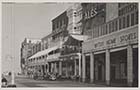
{"x": 128, "y": 37}
{"x": 121, "y": 39}
{"x": 113, "y": 40}
{"x": 90, "y": 13}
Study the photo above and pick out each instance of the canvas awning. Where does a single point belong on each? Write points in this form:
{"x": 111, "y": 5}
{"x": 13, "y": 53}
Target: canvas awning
{"x": 79, "y": 37}
{"x": 74, "y": 39}
{"x": 44, "y": 52}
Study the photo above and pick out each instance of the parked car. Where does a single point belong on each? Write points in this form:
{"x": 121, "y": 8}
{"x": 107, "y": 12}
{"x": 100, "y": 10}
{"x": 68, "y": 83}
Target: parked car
{"x": 52, "y": 77}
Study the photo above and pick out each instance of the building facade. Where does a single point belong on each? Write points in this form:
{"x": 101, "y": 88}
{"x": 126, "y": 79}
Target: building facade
{"x": 96, "y": 42}
{"x": 111, "y": 54}
{"x": 26, "y": 52}
{"x": 74, "y": 14}
{"x": 93, "y": 14}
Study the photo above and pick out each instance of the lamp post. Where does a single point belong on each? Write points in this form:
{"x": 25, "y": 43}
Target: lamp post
{"x": 13, "y": 76}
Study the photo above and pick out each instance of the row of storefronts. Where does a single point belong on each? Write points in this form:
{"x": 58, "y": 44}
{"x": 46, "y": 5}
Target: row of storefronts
{"x": 114, "y": 62}
{"x": 64, "y": 60}
{"x": 107, "y": 52}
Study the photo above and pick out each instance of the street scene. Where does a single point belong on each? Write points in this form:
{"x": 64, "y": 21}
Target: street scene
{"x": 23, "y": 81}
{"x": 78, "y": 44}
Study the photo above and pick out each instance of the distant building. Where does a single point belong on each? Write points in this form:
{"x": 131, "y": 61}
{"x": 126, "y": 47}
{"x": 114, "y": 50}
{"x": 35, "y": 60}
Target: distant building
{"x": 26, "y": 51}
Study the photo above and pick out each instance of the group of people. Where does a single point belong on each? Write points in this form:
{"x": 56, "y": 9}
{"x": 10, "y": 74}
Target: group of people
{"x": 6, "y": 79}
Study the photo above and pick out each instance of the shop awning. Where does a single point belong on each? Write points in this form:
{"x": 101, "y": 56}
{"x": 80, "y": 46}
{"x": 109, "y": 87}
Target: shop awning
{"x": 79, "y": 37}
{"x": 44, "y": 52}
{"x": 75, "y": 39}
{"x": 71, "y": 56}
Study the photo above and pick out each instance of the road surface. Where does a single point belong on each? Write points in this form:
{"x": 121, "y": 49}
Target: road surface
{"x": 23, "y": 81}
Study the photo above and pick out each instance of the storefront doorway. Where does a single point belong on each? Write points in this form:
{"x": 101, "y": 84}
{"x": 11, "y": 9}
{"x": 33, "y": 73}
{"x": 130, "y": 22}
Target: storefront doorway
{"x": 99, "y": 65}
{"x": 118, "y": 66}
{"x": 87, "y": 65}
{"x": 70, "y": 67}
{"x": 43, "y": 70}
{"x": 49, "y": 64}
{"x": 135, "y": 67}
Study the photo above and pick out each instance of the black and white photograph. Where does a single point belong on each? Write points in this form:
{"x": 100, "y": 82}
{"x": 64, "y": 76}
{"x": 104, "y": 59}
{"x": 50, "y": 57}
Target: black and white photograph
{"x": 69, "y": 44}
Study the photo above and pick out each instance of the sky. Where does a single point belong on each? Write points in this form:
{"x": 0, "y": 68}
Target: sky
{"x": 25, "y": 20}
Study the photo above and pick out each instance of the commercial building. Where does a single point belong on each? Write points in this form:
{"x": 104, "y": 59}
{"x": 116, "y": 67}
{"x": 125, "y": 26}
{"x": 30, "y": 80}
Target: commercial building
{"x": 26, "y": 52}
{"x": 47, "y": 59}
{"x": 111, "y": 53}
{"x": 97, "y": 42}
{"x": 52, "y": 58}
{"x": 74, "y": 14}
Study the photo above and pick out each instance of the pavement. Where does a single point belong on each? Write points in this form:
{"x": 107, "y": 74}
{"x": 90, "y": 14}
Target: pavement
{"x": 23, "y": 81}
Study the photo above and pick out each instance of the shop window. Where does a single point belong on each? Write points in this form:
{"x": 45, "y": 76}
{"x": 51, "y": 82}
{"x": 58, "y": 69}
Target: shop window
{"x": 93, "y": 32}
{"x": 116, "y": 25}
{"x": 120, "y": 24}
{"x": 132, "y": 19}
{"x": 123, "y": 22}
{"x": 106, "y": 30}
{"x": 109, "y": 27}
{"x": 113, "y": 26}
{"x": 97, "y": 31}
{"x": 103, "y": 29}
{"x": 128, "y": 20}
{"x": 137, "y": 17}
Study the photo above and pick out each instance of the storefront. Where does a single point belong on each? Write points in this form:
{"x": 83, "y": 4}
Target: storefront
{"x": 71, "y": 56}
{"x": 112, "y": 58}
{"x": 44, "y": 62}
{"x": 70, "y": 65}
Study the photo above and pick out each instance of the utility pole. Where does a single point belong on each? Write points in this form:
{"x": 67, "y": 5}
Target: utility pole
{"x": 12, "y": 56}
{"x": 13, "y": 75}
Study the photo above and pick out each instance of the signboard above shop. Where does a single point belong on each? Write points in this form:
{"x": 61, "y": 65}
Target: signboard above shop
{"x": 116, "y": 39}
{"x": 89, "y": 14}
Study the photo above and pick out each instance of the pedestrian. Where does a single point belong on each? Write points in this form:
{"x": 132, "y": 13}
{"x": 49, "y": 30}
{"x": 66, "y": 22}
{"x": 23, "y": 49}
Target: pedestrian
{"x": 4, "y": 81}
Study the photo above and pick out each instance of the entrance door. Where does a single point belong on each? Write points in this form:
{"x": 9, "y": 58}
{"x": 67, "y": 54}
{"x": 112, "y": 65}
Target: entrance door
{"x": 112, "y": 70}
{"x": 135, "y": 66}
{"x": 118, "y": 68}
{"x": 100, "y": 72}
{"x": 99, "y": 67}
{"x": 87, "y": 68}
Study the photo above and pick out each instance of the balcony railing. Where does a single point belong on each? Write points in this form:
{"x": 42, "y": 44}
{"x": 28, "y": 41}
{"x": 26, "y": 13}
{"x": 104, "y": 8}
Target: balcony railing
{"x": 117, "y": 24}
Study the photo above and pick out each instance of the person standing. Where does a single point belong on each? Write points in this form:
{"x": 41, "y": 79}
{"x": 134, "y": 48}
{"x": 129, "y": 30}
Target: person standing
{"x": 4, "y": 81}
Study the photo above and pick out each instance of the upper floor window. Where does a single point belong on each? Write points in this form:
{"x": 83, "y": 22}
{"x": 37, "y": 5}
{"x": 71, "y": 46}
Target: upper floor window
{"x": 132, "y": 19}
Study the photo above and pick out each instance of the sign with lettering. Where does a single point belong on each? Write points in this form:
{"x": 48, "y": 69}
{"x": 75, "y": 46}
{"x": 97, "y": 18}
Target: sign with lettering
{"x": 117, "y": 39}
{"x": 90, "y": 13}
